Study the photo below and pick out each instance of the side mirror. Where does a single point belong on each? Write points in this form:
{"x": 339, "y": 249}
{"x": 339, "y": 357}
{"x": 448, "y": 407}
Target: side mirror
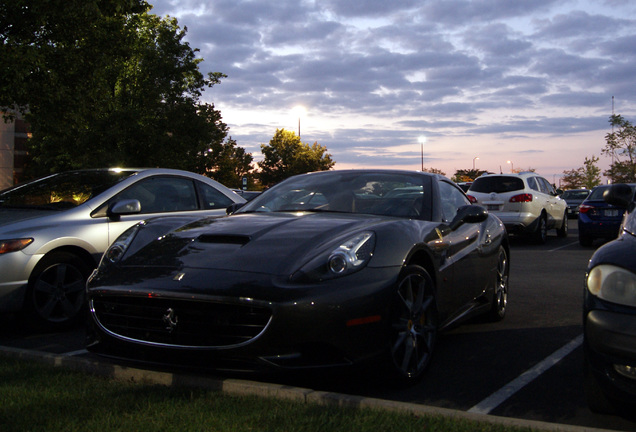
{"x": 123, "y": 207}
{"x": 620, "y": 195}
{"x": 468, "y": 214}
{"x": 234, "y": 207}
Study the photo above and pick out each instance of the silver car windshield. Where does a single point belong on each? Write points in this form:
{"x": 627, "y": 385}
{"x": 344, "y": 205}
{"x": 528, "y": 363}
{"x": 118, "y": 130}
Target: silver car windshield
{"x": 61, "y": 191}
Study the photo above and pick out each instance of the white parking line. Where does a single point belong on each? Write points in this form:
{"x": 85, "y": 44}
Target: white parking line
{"x": 563, "y": 247}
{"x": 501, "y": 395}
{"x": 74, "y": 353}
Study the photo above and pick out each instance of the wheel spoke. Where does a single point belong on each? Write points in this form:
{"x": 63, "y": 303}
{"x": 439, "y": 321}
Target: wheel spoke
{"x": 42, "y": 286}
{"x": 60, "y": 274}
{"x": 47, "y": 308}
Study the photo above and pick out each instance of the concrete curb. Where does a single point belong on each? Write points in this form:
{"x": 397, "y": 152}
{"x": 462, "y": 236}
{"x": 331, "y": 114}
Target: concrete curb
{"x": 244, "y": 387}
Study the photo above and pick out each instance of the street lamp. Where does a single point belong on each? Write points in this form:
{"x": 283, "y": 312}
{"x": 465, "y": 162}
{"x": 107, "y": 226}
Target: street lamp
{"x": 299, "y": 111}
{"x": 512, "y": 166}
{"x": 474, "y": 159}
{"x": 422, "y": 140}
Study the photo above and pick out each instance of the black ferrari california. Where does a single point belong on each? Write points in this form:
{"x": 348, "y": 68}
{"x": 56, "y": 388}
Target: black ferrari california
{"x": 334, "y": 268}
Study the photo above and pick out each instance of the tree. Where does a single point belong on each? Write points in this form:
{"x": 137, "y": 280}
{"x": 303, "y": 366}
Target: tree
{"x": 232, "y": 164}
{"x": 467, "y": 175}
{"x": 621, "y": 147}
{"x": 434, "y": 171}
{"x": 107, "y": 84}
{"x": 286, "y": 155}
{"x": 587, "y": 176}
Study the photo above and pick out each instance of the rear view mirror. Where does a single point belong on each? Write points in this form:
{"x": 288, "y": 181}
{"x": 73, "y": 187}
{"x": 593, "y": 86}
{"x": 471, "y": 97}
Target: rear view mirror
{"x": 124, "y": 207}
{"x": 469, "y": 214}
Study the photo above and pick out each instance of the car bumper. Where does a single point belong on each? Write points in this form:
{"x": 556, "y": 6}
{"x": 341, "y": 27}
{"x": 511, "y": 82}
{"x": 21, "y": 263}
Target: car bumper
{"x": 335, "y": 323}
{"x": 610, "y": 348}
{"x": 14, "y": 270}
{"x": 516, "y": 222}
{"x": 597, "y": 229}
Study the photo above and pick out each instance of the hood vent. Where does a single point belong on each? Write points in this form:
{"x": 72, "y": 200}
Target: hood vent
{"x": 224, "y": 239}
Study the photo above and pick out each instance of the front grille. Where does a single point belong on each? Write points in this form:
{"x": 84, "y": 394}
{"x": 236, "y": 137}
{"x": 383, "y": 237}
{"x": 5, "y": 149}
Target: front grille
{"x": 180, "y": 322}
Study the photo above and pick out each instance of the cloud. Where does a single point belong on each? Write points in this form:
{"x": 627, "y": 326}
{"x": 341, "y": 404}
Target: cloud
{"x": 375, "y": 74}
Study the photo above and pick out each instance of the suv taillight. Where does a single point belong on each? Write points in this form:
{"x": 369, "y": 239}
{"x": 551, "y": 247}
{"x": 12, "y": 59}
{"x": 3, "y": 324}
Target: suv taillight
{"x": 522, "y": 198}
{"x": 472, "y": 199}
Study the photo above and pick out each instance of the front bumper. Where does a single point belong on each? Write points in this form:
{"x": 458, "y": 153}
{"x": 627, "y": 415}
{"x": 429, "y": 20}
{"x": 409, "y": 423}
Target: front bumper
{"x": 331, "y": 323}
{"x": 610, "y": 348}
{"x": 15, "y": 268}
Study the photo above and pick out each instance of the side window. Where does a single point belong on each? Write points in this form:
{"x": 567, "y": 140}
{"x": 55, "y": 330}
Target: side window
{"x": 451, "y": 199}
{"x": 162, "y": 194}
{"x": 212, "y": 198}
{"x": 532, "y": 182}
{"x": 545, "y": 186}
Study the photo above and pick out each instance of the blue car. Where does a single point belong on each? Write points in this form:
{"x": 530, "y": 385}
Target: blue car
{"x": 609, "y": 315}
{"x": 598, "y": 218}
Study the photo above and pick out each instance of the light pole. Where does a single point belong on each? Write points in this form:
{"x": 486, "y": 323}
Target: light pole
{"x": 512, "y": 166}
{"x": 299, "y": 111}
{"x": 474, "y": 159}
{"x": 422, "y": 140}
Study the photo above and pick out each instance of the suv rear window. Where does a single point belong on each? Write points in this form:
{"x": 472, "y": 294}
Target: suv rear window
{"x": 498, "y": 184}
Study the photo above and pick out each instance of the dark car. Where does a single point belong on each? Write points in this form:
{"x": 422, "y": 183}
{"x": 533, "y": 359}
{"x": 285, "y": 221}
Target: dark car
{"x": 574, "y": 198}
{"x": 609, "y": 315}
{"x": 333, "y": 268}
{"x": 599, "y": 219}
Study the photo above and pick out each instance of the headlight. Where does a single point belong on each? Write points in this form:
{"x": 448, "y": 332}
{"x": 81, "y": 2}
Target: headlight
{"x": 347, "y": 257}
{"x": 14, "y": 245}
{"x": 117, "y": 250}
{"x": 613, "y": 284}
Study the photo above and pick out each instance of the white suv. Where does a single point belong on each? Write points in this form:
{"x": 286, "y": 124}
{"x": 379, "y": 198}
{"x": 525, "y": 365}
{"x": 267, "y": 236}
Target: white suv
{"x": 525, "y": 202}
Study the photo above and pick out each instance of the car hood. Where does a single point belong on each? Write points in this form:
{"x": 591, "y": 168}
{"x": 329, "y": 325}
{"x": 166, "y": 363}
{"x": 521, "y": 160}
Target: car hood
{"x": 273, "y": 243}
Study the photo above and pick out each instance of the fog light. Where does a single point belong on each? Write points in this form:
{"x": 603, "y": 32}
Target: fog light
{"x": 626, "y": 371}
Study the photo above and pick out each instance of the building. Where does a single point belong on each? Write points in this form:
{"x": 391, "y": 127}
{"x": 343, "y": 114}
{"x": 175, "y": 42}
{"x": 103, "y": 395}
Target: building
{"x": 13, "y": 150}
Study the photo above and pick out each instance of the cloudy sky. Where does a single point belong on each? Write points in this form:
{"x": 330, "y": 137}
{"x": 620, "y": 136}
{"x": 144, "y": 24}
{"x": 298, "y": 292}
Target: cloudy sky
{"x": 532, "y": 82}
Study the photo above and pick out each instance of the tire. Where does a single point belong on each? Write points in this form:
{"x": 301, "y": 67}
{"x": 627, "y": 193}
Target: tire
{"x": 413, "y": 326}
{"x": 55, "y": 297}
{"x": 500, "y": 297}
{"x": 563, "y": 231}
{"x": 541, "y": 233}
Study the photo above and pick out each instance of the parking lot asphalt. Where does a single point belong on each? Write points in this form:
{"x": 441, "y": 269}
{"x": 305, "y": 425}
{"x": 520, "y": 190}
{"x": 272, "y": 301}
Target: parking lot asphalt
{"x": 255, "y": 388}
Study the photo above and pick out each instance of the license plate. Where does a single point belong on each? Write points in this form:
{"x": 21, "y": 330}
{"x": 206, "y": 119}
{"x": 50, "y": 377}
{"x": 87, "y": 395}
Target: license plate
{"x": 611, "y": 213}
{"x": 493, "y": 207}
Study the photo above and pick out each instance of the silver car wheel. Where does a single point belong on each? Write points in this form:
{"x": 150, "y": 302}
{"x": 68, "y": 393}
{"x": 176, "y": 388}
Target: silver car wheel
{"x": 57, "y": 294}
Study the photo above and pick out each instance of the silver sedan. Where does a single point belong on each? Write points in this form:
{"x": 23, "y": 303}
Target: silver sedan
{"x": 54, "y": 230}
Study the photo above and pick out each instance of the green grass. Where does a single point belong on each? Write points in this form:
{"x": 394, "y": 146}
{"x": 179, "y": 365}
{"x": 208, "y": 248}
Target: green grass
{"x": 39, "y": 397}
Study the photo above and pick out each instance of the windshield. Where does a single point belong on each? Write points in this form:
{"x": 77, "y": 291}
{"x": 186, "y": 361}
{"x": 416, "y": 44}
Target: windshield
{"x": 575, "y": 194}
{"x": 61, "y": 191}
{"x": 378, "y": 193}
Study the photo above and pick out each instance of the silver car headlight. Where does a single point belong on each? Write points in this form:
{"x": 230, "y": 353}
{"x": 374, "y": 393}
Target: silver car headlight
{"x": 613, "y": 284}
{"x": 347, "y": 257}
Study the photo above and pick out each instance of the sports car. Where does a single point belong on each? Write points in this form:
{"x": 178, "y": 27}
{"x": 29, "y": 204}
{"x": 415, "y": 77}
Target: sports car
{"x": 333, "y": 268}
